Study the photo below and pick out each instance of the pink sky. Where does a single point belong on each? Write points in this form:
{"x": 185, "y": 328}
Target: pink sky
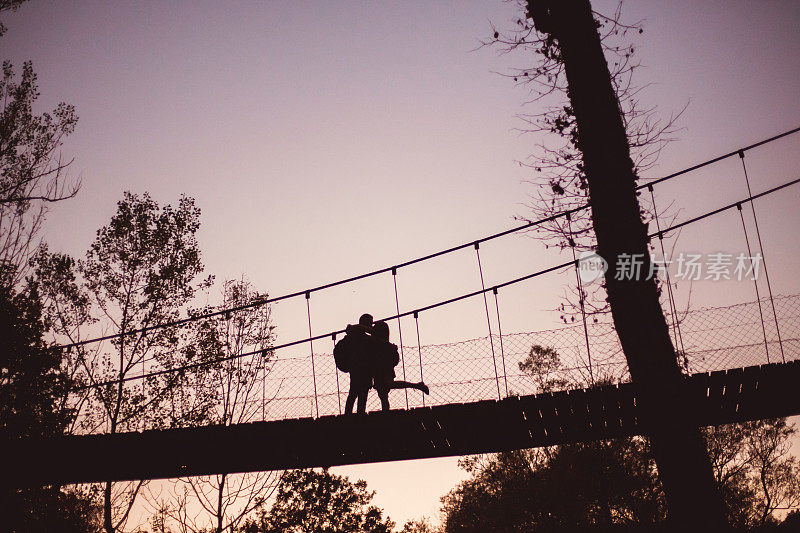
{"x": 326, "y": 139}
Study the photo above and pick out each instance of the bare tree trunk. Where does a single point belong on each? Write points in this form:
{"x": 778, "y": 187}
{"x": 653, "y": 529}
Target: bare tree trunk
{"x": 220, "y": 494}
{"x": 678, "y": 446}
{"x": 108, "y": 523}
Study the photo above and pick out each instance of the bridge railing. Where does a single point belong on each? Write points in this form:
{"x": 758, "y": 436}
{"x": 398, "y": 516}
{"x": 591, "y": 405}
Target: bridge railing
{"x": 713, "y": 339}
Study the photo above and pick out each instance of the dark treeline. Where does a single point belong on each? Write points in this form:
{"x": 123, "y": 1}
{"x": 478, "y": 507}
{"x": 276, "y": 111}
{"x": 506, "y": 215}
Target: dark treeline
{"x": 615, "y": 483}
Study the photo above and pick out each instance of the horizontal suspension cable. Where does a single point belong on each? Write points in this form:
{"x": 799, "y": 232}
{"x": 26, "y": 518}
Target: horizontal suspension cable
{"x": 428, "y": 307}
{"x": 721, "y": 209}
{"x": 719, "y": 158}
{"x": 258, "y": 303}
{"x": 528, "y": 225}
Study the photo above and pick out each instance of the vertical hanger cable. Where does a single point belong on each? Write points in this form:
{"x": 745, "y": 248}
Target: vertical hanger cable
{"x": 488, "y": 321}
{"x": 399, "y": 329}
{"x": 336, "y": 371}
{"x": 763, "y": 258}
{"x": 581, "y": 296}
{"x": 311, "y": 344}
{"x": 755, "y": 281}
{"x": 500, "y": 335}
{"x": 673, "y": 306}
{"x": 419, "y": 348}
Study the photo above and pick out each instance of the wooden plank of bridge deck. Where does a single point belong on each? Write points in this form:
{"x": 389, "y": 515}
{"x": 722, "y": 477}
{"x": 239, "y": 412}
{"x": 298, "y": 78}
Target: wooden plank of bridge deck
{"x": 254, "y": 446}
{"x": 716, "y": 388}
{"x": 331, "y": 440}
{"x": 476, "y": 429}
{"x": 576, "y": 422}
{"x": 514, "y": 423}
{"x": 376, "y": 436}
{"x": 748, "y": 397}
{"x": 504, "y": 427}
{"x": 779, "y": 383}
{"x": 459, "y": 426}
{"x": 628, "y": 409}
{"x": 767, "y": 385}
{"x": 534, "y": 421}
{"x": 602, "y": 410}
{"x": 732, "y": 393}
{"x": 395, "y": 430}
{"x": 455, "y": 425}
{"x": 563, "y": 412}
{"x": 614, "y": 408}
{"x": 698, "y": 387}
{"x": 432, "y": 428}
{"x": 767, "y": 391}
{"x": 550, "y": 426}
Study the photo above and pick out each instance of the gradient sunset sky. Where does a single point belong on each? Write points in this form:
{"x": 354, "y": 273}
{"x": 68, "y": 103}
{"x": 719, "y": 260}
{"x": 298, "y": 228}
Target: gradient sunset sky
{"x": 326, "y": 139}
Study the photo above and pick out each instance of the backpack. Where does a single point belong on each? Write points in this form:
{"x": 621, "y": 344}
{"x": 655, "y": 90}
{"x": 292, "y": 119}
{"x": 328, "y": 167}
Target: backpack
{"x": 394, "y": 356}
{"x": 342, "y": 353}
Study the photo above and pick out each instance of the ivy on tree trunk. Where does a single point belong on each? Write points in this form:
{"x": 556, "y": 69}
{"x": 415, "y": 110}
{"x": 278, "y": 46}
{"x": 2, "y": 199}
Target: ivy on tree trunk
{"x": 678, "y": 446}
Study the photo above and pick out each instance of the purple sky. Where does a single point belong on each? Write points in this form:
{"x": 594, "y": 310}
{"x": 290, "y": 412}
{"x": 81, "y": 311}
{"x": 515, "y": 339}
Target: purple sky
{"x": 325, "y": 139}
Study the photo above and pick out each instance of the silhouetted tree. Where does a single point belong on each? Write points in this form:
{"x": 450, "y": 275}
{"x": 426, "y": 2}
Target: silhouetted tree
{"x": 542, "y": 364}
{"x": 140, "y": 271}
{"x": 30, "y": 385}
{"x": 67, "y": 315}
{"x": 615, "y": 482}
{"x": 565, "y": 34}
{"x": 567, "y": 487}
{"x": 31, "y": 380}
{"x": 237, "y": 386}
{"x": 754, "y": 470}
{"x": 32, "y": 172}
{"x": 8, "y": 5}
{"x": 418, "y": 526}
{"x": 317, "y": 501}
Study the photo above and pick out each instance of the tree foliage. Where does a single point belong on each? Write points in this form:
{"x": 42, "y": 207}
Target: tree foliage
{"x": 235, "y": 388}
{"x": 615, "y": 482}
{"x": 31, "y": 380}
{"x": 8, "y": 5}
{"x": 32, "y": 172}
{"x": 564, "y": 487}
{"x": 418, "y": 526}
{"x": 312, "y": 501}
{"x": 30, "y": 384}
{"x": 29, "y": 377}
{"x": 754, "y": 469}
{"x": 141, "y": 269}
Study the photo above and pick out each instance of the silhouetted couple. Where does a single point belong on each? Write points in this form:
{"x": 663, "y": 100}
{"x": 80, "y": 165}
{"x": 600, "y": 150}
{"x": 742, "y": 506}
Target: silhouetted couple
{"x": 366, "y": 353}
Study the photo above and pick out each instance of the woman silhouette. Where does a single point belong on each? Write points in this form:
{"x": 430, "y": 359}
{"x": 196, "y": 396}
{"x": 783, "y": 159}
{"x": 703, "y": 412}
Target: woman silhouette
{"x": 385, "y": 359}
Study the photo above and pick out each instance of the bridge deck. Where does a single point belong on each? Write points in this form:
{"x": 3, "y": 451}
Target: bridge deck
{"x": 454, "y": 429}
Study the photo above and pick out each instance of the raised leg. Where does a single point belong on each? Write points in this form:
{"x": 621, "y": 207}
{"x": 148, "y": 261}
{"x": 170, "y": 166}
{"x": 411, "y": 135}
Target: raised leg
{"x": 400, "y": 384}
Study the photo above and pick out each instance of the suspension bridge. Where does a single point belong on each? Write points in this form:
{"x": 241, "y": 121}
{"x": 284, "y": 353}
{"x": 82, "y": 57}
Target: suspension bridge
{"x": 740, "y": 361}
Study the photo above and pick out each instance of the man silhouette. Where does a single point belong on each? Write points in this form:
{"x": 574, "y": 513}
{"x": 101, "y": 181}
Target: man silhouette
{"x": 359, "y": 348}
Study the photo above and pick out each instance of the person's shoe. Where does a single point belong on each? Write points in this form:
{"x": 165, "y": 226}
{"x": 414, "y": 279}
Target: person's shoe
{"x": 424, "y": 388}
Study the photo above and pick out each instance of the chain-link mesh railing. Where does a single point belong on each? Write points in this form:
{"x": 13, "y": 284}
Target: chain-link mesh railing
{"x": 712, "y": 338}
